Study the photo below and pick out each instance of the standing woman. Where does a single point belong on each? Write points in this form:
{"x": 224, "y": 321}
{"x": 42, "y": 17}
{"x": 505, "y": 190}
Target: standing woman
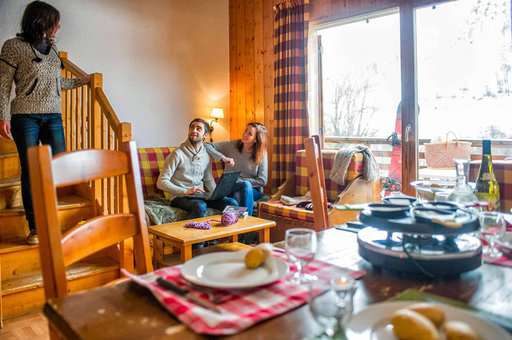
{"x": 32, "y": 62}
{"x": 249, "y": 156}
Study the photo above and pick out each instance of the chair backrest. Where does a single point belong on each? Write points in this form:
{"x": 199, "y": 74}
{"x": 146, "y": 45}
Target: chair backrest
{"x": 317, "y": 183}
{"x": 70, "y": 168}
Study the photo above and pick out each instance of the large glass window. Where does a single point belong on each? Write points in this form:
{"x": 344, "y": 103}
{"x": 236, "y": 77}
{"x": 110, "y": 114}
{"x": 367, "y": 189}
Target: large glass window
{"x": 360, "y": 76}
{"x": 464, "y": 62}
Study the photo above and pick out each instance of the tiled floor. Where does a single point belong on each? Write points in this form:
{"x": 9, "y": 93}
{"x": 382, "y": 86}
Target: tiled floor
{"x": 28, "y": 327}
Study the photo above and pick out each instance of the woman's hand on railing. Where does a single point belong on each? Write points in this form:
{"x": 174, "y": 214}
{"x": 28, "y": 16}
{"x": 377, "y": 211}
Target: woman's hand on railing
{"x": 87, "y": 79}
{"x": 5, "y": 129}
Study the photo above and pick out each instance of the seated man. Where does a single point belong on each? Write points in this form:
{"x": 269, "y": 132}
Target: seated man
{"x": 187, "y": 174}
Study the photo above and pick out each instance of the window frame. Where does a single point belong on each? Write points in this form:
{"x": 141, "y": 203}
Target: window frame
{"x": 408, "y": 68}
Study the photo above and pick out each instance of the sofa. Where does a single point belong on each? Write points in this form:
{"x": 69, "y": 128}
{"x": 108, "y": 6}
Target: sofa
{"x": 356, "y": 190}
{"x": 157, "y": 207}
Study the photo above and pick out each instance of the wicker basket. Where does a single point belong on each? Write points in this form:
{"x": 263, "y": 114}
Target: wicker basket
{"x": 442, "y": 155}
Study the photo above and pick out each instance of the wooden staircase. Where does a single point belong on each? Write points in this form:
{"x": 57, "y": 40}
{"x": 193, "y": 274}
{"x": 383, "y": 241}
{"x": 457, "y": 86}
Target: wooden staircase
{"x": 89, "y": 122}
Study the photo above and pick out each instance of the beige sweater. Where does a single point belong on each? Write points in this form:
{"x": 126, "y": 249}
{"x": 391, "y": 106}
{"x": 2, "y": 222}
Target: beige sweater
{"x": 184, "y": 168}
{"x": 38, "y": 84}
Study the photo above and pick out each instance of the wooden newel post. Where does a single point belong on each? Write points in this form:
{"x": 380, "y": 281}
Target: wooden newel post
{"x": 125, "y": 132}
{"x": 95, "y": 123}
{"x": 95, "y": 135}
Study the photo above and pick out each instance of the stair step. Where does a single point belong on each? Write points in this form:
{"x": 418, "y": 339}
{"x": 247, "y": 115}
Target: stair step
{"x": 66, "y": 202}
{"x": 10, "y": 182}
{"x": 8, "y": 155}
{"x": 76, "y": 271}
{"x": 9, "y": 165}
{"x": 72, "y": 209}
{"x": 14, "y": 245}
{"x": 24, "y": 293}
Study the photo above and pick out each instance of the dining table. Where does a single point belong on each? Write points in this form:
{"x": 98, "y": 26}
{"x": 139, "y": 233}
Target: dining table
{"x": 129, "y": 311}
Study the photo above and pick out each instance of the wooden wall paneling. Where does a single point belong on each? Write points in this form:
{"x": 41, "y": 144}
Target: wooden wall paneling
{"x": 249, "y": 62}
{"x": 240, "y": 85}
{"x": 259, "y": 107}
{"x": 233, "y": 28}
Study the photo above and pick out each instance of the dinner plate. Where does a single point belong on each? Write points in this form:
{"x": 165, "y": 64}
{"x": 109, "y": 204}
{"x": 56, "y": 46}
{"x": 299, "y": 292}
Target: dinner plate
{"x": 373, "y": 323}
{"x": 227, "y": 270}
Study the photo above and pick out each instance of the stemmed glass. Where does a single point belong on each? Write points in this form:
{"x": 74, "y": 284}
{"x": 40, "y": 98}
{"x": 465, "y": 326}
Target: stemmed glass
{"x": 492, "y": 227}
{"x": 331, "y": 303}
{"x": 301, "y": 249}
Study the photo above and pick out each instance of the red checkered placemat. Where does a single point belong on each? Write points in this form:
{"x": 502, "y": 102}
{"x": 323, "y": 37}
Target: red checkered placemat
{"x": 239, "y": 309}
{"x": 500, "y": 261}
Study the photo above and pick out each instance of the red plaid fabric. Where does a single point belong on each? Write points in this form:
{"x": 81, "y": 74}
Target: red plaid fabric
{"x": 278, "y": 209}
{"x": 503, "y": 173}
{"x": 240, "y": 309}
{"x": 500, "y": 261}
{"x": 151, "y": 163}
{"x": 290, "y": 86}
{"x": 355, "y": 170}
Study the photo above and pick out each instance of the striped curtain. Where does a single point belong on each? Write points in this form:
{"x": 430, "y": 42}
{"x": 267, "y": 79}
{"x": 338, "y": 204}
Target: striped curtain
{"x": 290, "y": 86}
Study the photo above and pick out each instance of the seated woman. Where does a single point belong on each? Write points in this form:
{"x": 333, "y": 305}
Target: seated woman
{"x": 249, "y": 156}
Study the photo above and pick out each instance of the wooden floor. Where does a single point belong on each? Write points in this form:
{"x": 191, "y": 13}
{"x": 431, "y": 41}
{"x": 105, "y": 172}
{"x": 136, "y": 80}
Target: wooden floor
{"x": 33, "y": 326}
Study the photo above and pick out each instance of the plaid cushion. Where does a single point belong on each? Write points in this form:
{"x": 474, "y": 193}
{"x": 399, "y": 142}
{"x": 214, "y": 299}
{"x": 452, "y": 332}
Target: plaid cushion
{"x": 151, "y": 163}
{"x": 355, "y": 170}
{"x": 503, "y": 173}
{"x": 279, "y": 209}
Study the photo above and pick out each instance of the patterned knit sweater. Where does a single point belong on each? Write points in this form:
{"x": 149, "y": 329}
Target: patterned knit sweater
{"x": 37, "y": 78}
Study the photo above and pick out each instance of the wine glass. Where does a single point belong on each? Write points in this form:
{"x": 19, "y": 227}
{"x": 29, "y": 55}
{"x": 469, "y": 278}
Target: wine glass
{"x": 492, "y": 227}
{"x": 331, "y": 303}
{"x": 301, "y": 249}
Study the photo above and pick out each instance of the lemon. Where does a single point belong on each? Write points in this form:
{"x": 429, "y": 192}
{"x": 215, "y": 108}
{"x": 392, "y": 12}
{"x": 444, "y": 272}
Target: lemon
{"x": 255, "y": 258}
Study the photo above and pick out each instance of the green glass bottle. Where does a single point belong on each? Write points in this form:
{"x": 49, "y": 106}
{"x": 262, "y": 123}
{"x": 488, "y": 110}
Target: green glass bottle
{"x": 487, "y": 188}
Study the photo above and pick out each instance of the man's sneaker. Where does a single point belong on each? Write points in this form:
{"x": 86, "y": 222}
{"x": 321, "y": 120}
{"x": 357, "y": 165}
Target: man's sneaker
{"x": 32, "y": 238}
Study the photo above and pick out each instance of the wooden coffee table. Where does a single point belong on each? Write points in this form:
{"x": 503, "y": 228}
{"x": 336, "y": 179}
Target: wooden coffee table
{"x": 178, "y": 236}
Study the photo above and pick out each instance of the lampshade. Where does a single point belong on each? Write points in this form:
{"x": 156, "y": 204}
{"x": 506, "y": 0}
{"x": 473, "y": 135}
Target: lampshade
{"x": 217, "y": 112}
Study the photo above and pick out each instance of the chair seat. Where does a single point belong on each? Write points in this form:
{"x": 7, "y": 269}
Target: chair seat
{"x": 279, "y": 209}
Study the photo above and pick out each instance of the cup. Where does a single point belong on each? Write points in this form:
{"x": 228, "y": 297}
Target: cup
{"x": 331, "y": 303}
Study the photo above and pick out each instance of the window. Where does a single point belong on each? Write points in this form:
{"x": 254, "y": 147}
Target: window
{"x": 360, "y": 76}
{"x": 464, "y": 58}
{"x": 456, "y": 72}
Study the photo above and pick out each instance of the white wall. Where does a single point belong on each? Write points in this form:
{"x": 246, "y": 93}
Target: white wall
{"x": 163, "y": 61}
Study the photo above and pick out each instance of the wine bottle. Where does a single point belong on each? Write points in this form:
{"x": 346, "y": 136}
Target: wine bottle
{"x": 487, "y": 188}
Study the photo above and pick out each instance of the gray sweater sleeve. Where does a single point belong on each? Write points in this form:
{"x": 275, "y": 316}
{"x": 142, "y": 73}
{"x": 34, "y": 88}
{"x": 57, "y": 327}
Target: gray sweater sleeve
{"x": 8, "y": 67}
{"x": 262, "y": 176}
{"x": 213, "y": 152}
{"x": 164, "y": 182}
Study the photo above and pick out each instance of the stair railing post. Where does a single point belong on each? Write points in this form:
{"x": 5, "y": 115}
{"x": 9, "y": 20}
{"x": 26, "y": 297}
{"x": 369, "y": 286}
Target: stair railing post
{"x": 95, "y": 136}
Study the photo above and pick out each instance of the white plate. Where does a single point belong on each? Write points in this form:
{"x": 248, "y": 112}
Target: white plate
{"x": 227, "y": 270}
{"x": 373, "y": 323}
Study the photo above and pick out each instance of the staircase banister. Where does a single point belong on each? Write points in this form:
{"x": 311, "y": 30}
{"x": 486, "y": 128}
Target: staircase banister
{"x": 71, "y": 67}
{"x": 107, "y": 108}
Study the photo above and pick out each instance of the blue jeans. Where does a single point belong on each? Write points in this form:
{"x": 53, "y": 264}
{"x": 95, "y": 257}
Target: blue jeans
{"x": 245, "y": 195}
{"x": 197, "y": 207}
{"x": 29, "y": 130}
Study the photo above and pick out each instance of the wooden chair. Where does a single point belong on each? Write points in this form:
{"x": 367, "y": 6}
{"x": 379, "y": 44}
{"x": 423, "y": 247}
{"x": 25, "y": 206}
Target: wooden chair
{"x": 72, "y": 168}
{"x": 317, "y": 187}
